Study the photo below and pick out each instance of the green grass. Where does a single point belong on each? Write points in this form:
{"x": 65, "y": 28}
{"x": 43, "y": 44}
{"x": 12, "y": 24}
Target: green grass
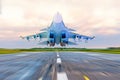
{"x": 109, "y": 50}
{"x": 7, "y": 51}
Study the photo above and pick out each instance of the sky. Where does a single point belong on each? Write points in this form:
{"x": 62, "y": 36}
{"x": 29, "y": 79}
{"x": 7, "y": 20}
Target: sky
{"x": 100, "y": 18}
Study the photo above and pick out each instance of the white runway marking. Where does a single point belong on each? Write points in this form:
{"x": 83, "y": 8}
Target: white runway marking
{"x": 59, "y": 60}
{"x": 94, "y": 54}
{"x": 40, "y": 78}
{"x": 58, "y": 55}
{"x": 22, "y": 55}
{"x": 62, "y": 76}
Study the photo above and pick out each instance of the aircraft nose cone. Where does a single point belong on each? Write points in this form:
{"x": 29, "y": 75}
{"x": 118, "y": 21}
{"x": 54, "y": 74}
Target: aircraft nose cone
{"x": 57, "y": 18}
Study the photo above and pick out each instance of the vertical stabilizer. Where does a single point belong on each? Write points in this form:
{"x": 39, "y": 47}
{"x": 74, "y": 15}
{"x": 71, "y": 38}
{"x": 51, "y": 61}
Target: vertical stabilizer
{"x": 57, "y": 18}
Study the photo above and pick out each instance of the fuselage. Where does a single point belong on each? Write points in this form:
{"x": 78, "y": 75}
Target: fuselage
{"x": 58, "y": 33}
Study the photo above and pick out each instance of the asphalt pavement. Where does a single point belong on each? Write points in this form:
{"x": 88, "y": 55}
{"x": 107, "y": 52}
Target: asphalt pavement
{"x": 59, "y": 66}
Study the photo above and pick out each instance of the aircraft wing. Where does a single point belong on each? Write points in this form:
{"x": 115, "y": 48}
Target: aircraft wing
{"x": 79, "y": 36}
{"x": 35, "y": 36}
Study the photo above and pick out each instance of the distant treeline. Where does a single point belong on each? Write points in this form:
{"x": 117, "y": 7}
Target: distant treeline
{"x": 114, "y": 48}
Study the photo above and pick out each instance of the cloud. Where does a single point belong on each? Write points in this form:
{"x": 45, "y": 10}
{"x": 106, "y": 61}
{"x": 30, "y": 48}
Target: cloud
{"x": 107, "y": 31}
{"x": 89, "y": 17}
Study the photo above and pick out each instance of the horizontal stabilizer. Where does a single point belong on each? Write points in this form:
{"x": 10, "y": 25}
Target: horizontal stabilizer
{"x": 71, "y": 43}
{"x": 42, "y": 43}
{"x": 45, "y": 29}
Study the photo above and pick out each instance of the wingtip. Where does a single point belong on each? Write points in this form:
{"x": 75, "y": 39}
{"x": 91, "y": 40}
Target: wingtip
{"x": 22, "y": 37}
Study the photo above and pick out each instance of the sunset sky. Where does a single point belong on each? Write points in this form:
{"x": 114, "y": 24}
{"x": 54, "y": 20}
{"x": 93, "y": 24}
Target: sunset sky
{"x": 100, "y": 18}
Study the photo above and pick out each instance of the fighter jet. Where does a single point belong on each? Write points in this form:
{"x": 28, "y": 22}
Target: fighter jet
{"x": 58, "y": 34}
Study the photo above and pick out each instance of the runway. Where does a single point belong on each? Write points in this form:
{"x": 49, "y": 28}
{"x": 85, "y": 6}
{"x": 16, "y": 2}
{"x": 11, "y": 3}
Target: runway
{"x": 60, "y": 66}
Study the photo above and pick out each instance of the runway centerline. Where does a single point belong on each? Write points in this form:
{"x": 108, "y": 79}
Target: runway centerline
{"x": 61, "y": 75}
{"x": 60, "y": 66}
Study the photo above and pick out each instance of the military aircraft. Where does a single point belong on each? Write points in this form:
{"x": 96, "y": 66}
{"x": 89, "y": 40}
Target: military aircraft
{"x": 58, "y": 34}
